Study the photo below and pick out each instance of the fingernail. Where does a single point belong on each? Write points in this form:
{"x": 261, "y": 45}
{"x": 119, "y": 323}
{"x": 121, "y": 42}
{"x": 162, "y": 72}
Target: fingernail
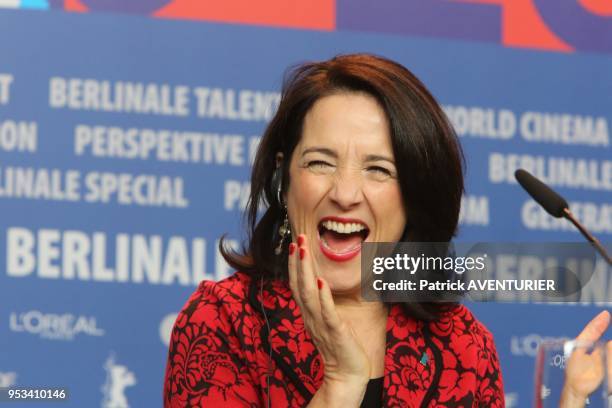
{"x": 302, "y": 253}
{"x": 291, "y": 248}
{"x": 319, "y": 283}
{"x": 300, "y": 240}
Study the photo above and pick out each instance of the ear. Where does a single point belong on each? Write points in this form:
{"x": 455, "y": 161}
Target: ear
{"x": 277, "y": 179}
{"x": 279, "y": 159}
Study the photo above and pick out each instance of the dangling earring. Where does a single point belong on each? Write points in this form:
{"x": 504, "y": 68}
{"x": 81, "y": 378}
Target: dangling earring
{"x": 283, "y": 232}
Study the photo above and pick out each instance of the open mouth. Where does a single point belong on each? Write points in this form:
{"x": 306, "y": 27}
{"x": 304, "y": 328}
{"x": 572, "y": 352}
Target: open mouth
{"x": 340, "y": 238}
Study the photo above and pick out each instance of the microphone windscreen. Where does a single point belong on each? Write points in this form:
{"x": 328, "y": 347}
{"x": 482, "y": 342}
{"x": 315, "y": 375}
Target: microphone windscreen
{"x": 552, "y": 202}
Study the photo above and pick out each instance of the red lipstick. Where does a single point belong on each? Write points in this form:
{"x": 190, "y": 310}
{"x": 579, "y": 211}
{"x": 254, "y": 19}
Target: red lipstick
{"x": 343, "y": 256}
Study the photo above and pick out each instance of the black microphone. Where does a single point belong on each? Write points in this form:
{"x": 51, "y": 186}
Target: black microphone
{"x": 555, "y": 205}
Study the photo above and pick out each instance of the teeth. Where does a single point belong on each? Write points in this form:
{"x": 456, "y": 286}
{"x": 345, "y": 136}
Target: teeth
{"x": 342, "y": 227}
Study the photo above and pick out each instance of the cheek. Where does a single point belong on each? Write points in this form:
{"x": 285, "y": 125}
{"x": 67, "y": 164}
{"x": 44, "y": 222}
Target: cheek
{"x": 389, "y": 212}
{"x": 306, "y": 190}
{"x": 306, "y": 185}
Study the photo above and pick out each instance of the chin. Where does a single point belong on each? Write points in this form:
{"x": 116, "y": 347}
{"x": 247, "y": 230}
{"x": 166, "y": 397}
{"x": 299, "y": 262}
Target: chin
{"x": 343, "y": 278}
{"x": 345, "y": 287}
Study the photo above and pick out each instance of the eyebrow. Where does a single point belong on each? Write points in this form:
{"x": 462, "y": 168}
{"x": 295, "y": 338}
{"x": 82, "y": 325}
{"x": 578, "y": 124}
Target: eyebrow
{"x": 376, "y": 157}
{"x": 323, "y": 150}
{"x": 331, "y": 153}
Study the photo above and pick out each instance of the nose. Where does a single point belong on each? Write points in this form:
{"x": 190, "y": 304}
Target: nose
{"x": 347, "y": 189}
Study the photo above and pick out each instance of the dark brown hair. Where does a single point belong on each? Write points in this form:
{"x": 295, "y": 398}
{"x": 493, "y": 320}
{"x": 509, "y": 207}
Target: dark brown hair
{"x": 428, "y": 157}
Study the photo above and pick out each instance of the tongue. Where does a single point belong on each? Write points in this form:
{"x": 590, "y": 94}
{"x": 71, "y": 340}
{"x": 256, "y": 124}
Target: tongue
{"x": 340, "y": 243}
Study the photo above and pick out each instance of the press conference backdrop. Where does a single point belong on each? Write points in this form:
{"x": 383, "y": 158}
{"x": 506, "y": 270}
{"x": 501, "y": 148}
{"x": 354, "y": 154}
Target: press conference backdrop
{"x": 127, "y": 130}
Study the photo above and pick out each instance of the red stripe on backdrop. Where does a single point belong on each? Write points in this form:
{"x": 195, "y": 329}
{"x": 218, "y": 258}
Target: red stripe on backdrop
{"x": 601, "y": 7}
{"x": 308, "y": 14}
{"x": 75, "y": 5}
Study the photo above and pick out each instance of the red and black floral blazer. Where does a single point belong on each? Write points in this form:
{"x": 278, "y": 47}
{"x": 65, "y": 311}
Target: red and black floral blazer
{"x": 220, "y": 352}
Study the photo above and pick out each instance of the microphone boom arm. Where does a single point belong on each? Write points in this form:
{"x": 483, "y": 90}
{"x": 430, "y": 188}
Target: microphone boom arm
{"x": 594, "y": 241}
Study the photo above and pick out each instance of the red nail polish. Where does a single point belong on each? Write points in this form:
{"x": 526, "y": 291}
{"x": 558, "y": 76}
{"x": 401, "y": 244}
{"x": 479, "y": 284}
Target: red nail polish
{"x": 300, "y": 240}
{"x": 302, "y": 253}
{"x": 319, "y": 283}
{"x": 291, "y": 248}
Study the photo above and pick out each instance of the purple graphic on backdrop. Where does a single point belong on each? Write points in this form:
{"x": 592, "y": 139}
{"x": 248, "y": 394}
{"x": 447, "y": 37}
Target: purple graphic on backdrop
{"x": 132, "y": 6}
{"x": 452, "y": 20}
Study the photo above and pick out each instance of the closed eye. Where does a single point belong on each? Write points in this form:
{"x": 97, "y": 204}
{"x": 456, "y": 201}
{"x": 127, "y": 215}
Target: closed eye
{"x": 379, "y": 170}
{"x": 318, "y": 164}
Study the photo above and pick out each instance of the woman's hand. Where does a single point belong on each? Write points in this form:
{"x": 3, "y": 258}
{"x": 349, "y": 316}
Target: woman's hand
{"x": 346, "y": 364}
{"x": 584, "y": 372}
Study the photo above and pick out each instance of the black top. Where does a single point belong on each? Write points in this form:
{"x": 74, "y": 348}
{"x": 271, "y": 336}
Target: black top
{"x": 373, "y": 394}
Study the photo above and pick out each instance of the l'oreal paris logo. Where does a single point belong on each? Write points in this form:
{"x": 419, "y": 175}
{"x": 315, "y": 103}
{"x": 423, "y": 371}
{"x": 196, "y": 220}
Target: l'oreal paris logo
{"x": 528, "y": 345}
{"x": 54, "y": 326}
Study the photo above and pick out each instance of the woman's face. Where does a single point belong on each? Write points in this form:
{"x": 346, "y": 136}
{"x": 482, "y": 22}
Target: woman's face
{"x": 343, "y": 186}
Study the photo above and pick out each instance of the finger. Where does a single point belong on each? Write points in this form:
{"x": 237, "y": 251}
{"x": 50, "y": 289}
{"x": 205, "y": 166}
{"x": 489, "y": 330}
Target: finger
{"x": 596, "y": 327}
{"x": 293, "y": 271}
{"x": 609, "y": 364}
{"x": 306, "y": 280}
{"x": 329, "y": 314}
